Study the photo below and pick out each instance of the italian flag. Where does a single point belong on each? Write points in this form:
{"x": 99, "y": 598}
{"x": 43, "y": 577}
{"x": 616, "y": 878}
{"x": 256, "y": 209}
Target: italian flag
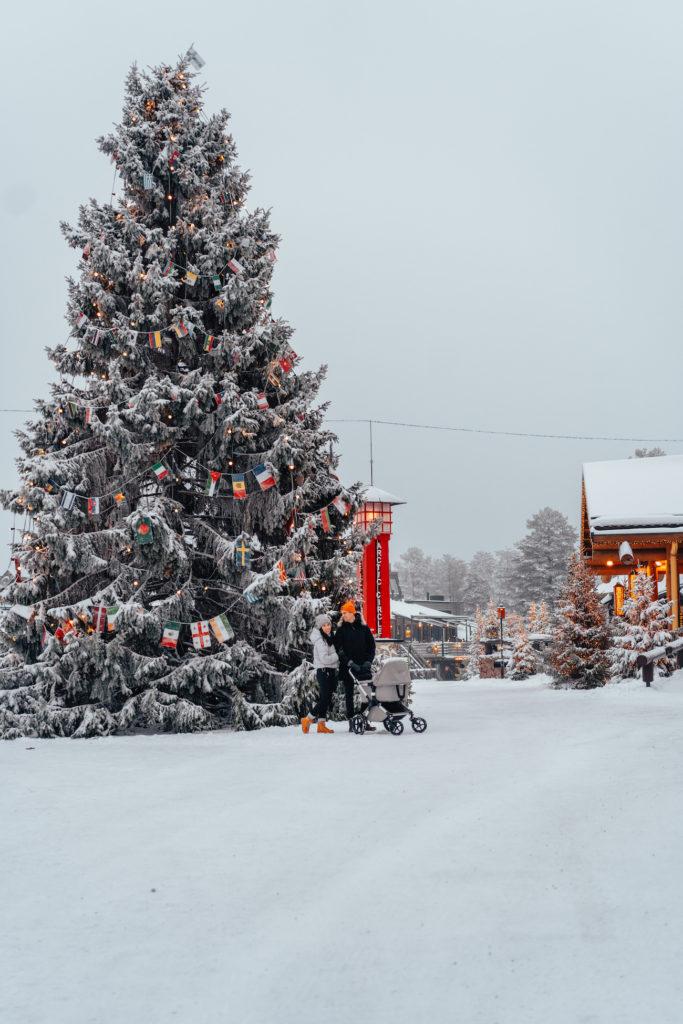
{"x": 154, "y": 338}
{"x": 160, "y": 470}
{"x": 212, "y": 482}
{"x": 170, "y": 635}
{"x": 222, "y": 629}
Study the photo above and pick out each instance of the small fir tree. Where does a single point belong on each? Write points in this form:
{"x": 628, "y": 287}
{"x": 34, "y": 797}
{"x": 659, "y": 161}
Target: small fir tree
{"x": 581, "y": 636}
{"x": 184, "y": 519}
{"x": 523, "y": 661}
{"x": 645, "y": 625}
{"x": 476, "y": 647}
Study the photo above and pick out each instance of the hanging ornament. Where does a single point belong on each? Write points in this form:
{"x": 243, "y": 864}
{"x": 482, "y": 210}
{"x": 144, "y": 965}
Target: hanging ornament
{"x": 170, "y": 635}
{"x": 222, "y": 629}
{"x": 201, "y": 638}
{"x": 119, "y": 497}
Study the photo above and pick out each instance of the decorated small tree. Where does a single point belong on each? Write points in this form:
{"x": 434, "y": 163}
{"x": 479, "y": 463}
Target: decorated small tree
{"x": 645, "y": 625}
{"x": 476, "y": 647}
{"x": 523, "y": 661}
{"x": 183, "y": 521}
{"x": 581, "y": 636}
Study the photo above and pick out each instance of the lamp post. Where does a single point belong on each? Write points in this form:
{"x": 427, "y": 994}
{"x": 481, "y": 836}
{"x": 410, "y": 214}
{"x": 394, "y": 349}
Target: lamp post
{"x": 375, "y": 568}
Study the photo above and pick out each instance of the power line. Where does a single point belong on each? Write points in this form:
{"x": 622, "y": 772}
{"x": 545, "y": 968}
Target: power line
{"x": 510, "y": 433}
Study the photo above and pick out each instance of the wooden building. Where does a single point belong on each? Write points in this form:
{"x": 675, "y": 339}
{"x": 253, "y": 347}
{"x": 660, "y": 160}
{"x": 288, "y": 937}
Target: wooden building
{"x": 632, "y": 519}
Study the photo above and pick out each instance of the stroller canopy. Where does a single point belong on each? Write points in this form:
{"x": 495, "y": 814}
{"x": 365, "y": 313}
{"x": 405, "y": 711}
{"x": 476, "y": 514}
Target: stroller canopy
{"x": 394, "y": 672}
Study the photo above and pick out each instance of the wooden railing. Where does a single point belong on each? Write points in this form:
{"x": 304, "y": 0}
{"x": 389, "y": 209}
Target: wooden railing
{"x": 646, "y": 662}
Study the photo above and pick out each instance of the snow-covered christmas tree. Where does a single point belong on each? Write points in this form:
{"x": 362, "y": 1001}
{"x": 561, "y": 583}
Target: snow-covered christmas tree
{"x": 183, "y": 521}
{"x": 538, "y": 619}
{"x": 645, "y": 625}
{"x": 476, "y": 647}
{"x": 523, "y": 661}
{"x": 581, "y": 636}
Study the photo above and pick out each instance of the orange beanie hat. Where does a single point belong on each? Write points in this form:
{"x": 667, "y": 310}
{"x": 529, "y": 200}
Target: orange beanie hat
{"x": 349, "y": 606}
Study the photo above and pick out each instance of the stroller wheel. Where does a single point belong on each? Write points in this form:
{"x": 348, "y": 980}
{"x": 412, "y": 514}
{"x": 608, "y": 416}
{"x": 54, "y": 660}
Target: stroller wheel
{"x": 387, "y": 723}
{"x": 396, "y": 727}
{"x": 418, "y": 724}
{"x": 358, "y": 725}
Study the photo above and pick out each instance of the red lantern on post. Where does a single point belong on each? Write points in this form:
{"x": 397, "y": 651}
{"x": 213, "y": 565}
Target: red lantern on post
{"x": 376, "y": 508}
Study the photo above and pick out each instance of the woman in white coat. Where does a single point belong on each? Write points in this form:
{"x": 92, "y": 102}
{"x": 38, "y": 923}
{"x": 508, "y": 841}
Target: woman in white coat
{"x": 326, "y": 664}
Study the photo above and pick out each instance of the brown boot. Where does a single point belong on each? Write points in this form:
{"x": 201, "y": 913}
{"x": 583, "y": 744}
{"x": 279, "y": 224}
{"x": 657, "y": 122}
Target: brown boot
{"x": 322, "y": 727}
{"x": 306, "y": 724}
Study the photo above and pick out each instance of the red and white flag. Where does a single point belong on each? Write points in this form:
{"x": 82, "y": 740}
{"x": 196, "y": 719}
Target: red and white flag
{"x": 235, "y": 266}
{"x": 99, "y": 618}
{"x": 93, "y": 506}
{"x": 201, "y": 637}
{"x": 262, "y": 401}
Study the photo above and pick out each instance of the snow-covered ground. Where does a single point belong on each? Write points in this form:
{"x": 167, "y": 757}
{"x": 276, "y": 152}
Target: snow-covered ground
{"x": 520, "y": 862}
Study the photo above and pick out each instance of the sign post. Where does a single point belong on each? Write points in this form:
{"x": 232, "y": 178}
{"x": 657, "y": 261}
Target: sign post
{"x": 501, "y": 616}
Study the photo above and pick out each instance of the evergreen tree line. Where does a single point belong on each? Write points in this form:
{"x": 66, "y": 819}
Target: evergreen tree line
{"x": 533, "y": 570}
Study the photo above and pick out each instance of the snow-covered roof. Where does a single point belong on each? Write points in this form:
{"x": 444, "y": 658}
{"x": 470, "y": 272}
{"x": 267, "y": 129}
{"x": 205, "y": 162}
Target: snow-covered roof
{"x": 372, "y": 493}
{"x": 408, "y": 610}
{"x": 635, "y": 495}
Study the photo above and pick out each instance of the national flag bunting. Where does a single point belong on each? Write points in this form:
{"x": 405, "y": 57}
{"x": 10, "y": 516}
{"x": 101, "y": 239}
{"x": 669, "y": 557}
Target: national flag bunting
{"x": 262, "y": 401}
{"x": 88, "y": 414}
{"x": 239, "y": 487}
{"x": 218, "y": 398}
{"x": 181, "y": 330}
{"x": 222, "y": 629}
{"x": 67, "y": 500}
{"x": 81, "y": 320}
{"x": 170, "y": 635}
{"x": 209, "y": 342}
{"x": 154, "y": 338}
{"x": 86, "y": 250}
{"x": 251, "y": 597}
{"x": 325, "y": 520}
{"x": 93, "y": 506}
{"x": 216, "y": 281}
{"x": 160, "y": 470}
{"x": 271, "y": 255}
{"x": 194, "y": 58}
{"x": 212, "y": 482}
{"x": 201, "y": 638}
{"x": 242, "y": 555}
{"x": 300, "y": 574}
{"x": 167, "y": 269}
{"x": 191, "y": 277}
{"x": 112, "y": 614}
{"x": 99, "y": 618}
{"x": 341, "y": 504}
{"x": 147, "y": 181}
{"x": 281, "y": 571}
{"x": 286, "y": 364}
{"x": 264, "y": 476}
{"x": 143, "y": 530}
{"x": 235, "y": 266}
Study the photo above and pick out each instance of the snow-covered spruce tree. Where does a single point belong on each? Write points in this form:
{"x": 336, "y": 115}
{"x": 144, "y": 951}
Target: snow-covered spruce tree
{"x": 581, "y": 636}
{"x": 538, "y": 618}
{"x": 523, "y": 661}
{"x": 541, "y": 558}
{"x": 476, "y": 647}
{"x": 185, "y": 522}
{"x": 645, "y": 625}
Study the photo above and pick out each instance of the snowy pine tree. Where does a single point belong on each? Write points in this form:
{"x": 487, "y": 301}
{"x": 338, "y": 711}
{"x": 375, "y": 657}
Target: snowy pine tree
{"x": 523, "y": 661}
{"x": 645, "y": 625}
{"x": 581, "y": 636}
{"x": 538, "y": 618}
{"x": 476, "y": 647}
{"x": 541, "y": 560}
{"x": 184, "y": 522}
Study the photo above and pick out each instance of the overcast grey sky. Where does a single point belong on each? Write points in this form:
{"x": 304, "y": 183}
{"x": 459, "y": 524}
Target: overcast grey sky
{"x": 480, "y": 209}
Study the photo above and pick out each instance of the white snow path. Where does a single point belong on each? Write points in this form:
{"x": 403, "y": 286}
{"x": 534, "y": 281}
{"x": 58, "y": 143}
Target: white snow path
{"x": 519, "y": 863}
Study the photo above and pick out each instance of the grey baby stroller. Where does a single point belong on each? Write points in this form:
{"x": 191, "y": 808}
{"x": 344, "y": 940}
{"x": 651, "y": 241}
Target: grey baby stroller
{"x": 385, "y": 694}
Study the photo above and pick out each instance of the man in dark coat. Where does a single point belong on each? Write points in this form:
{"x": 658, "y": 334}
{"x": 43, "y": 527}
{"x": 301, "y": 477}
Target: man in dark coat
{"x": 355, "y": 645}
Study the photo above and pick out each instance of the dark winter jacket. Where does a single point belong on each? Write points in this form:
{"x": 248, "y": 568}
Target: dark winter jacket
{"x": 354, "y": 642}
